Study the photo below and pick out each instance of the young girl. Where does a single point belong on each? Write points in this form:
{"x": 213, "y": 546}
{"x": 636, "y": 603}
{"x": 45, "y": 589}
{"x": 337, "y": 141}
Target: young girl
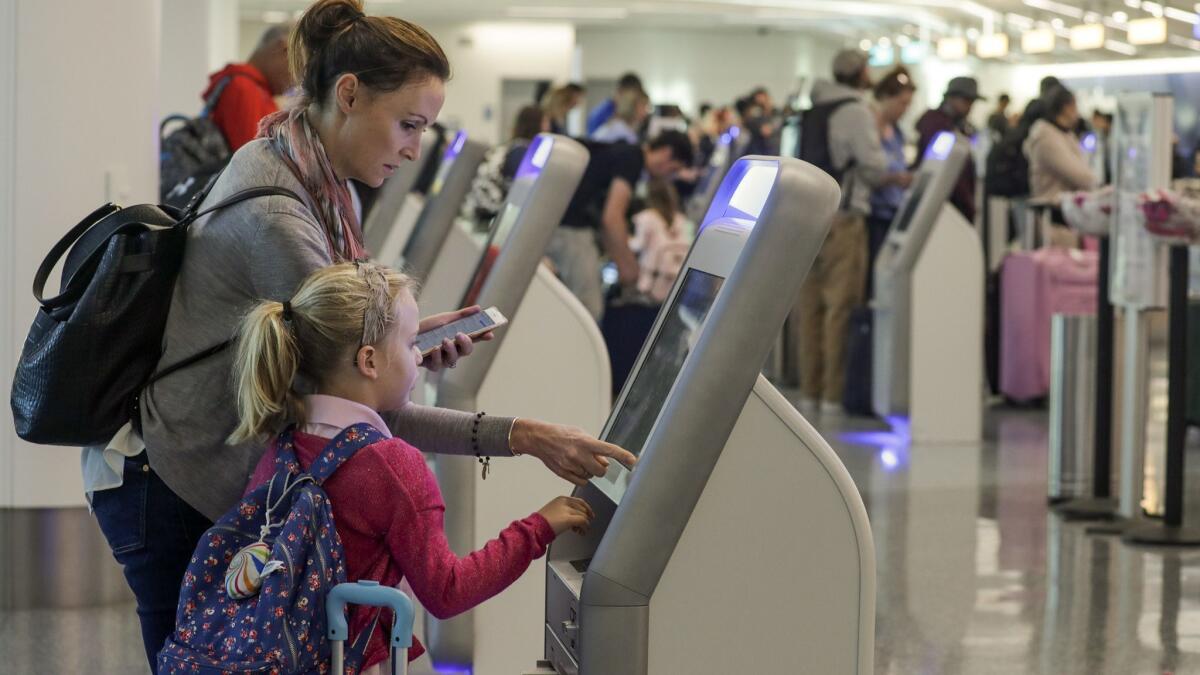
{"x": 661, "y": 239}
{"x": 350, "y": 332}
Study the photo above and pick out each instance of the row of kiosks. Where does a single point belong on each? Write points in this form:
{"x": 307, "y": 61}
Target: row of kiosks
{"x": 549, "y": 363}
{"x": 397, "y": 205}
{"x": 414, "y": 248}
{"x": 928, "y": 307}
{"x": 739, "y": 543}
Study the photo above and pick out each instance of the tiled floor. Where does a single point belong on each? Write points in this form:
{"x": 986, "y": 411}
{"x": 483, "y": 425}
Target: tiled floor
{"x": 975, "y": 575}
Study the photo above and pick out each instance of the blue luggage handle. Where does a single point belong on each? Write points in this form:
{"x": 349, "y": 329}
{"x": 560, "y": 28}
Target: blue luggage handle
{"x": 370, "y": 593}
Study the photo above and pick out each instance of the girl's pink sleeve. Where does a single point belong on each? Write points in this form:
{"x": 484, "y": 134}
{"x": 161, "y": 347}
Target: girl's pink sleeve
{"x": 446, "y": 584}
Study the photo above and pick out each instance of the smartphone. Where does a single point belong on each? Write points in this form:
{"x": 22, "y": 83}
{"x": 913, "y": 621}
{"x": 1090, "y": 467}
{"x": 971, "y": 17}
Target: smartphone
{"x": 473, "y": 326}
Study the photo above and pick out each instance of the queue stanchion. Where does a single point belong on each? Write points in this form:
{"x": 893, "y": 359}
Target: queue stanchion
{"x": 1100, "y": 504}
{"x": 1163, "y": 220}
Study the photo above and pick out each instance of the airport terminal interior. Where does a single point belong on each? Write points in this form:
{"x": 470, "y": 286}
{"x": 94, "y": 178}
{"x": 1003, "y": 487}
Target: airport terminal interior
{"x": 565, "y": 337}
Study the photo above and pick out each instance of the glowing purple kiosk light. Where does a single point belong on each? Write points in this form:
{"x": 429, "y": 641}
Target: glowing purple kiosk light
{"x": 455, "y": 146}
{"x": 941, "y": 146}
{"x": 535, "y": 157}
{"x": 744, "y": 192}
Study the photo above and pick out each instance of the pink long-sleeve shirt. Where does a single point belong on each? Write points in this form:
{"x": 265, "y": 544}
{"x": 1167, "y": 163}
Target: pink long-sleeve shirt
{"x": 388, "y": 511}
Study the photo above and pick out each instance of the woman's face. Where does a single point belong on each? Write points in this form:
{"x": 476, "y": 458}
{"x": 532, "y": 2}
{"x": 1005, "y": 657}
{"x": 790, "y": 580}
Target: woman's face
{"x": 895, "y": 107}
{"x": 383, "y": 129}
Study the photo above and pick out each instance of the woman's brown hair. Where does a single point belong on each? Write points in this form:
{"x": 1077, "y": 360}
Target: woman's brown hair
{"x": 662, "y": 197}
{"x": 529, "y": 123}
{"x": 894, "y": 83}
{"x": 334, "y": 37}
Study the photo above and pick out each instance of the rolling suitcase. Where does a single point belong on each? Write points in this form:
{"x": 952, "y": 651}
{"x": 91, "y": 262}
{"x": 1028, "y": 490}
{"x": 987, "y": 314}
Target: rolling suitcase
{"x": 627, "y": 321}
{"x": 370, "y": 593}
{"x": 856, "y": 397}
{"x": 1034, "y": 286}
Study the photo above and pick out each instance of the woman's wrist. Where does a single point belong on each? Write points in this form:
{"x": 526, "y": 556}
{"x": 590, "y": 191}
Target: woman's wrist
{"x": 512, "y": 448}
{"x": 522, "y": 437}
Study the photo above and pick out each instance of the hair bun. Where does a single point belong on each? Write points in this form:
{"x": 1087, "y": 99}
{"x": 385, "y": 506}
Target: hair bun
{"x": 318, "y": 26}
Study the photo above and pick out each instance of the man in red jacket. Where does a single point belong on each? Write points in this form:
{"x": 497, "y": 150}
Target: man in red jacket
{"x": 253, "y": 86}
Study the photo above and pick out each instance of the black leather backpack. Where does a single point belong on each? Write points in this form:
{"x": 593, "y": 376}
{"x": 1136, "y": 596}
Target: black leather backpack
{"x": 95, "y": 346}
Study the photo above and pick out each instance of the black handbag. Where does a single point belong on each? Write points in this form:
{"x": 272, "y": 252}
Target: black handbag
{"x": 94, "y": 346}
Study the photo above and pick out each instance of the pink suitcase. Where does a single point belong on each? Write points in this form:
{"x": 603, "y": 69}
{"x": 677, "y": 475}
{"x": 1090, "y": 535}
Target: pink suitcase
{"x": 1034, "y": 286}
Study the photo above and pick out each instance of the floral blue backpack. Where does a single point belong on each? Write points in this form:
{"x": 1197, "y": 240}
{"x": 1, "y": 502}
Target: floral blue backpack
{"x": 253, "y": 597}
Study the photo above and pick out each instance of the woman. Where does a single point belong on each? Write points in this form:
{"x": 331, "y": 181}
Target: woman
{"x": 499, "y": 167}
{"x": 893, "y": 97}
{"x": 632, "y": 109}
{"x": 1057, "y": 162}
{"x": 558, "y": 104}
{"x": 371, "y": 85}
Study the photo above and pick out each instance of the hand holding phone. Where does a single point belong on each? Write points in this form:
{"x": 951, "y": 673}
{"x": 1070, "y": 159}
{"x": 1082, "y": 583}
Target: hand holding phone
{"x": 472, "y": 326}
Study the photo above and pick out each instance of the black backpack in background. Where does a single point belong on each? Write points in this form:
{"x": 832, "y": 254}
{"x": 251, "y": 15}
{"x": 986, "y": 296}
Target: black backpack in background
{"x": 192, "y": 153}
{"x": 94, "y": 347}
{"x": 814, "y": 137}
{"x": 1007, "y": 166}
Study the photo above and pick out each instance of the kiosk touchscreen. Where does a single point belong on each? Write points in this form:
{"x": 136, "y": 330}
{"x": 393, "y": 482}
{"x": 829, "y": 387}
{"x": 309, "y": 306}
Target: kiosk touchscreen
{"x": 670, "y": 578}
{"x": 395, "y": 208}
{"x": 915, "y": 355}
{"x": 414, "y": 250}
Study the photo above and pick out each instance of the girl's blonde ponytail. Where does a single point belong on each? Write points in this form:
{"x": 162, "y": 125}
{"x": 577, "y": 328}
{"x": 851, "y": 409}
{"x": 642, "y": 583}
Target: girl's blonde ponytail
{"x": 264, "y": 369}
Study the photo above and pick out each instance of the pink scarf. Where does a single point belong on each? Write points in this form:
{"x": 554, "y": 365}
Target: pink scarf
{"x": 296, "y": 141}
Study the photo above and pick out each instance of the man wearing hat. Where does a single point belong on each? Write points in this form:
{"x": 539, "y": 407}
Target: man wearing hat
{"x": 850, "y": 150}
{"x": 961, "y": 94}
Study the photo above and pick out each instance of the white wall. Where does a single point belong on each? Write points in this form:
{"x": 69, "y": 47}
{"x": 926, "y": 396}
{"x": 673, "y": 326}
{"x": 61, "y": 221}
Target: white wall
{"x": 483, "y": 55}
{"x": 691, "y": 66}
{"x": 78, "y": 121}
{"x": 200, "y": 37}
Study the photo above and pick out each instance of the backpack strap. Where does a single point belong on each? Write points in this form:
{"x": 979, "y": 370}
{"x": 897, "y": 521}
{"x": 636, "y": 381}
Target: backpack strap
{"x": 285, "y": 452}
{"x": 343, "y": 447}
{"x": 211, "y": 101}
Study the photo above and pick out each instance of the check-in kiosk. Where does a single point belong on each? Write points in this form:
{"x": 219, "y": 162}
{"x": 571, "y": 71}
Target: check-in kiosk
{"x": 739, "y": 544}
{"x": 397, "y": 206}
{"x": 549, "y": 363}
{"x": 413, "y": 249}
{"x": 729, "y": 147}
{"x": 928, "y": 307}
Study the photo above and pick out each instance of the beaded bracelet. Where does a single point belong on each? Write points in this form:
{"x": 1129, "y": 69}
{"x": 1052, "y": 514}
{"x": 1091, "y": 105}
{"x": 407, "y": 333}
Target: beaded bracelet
{"x": 485, "y": 462}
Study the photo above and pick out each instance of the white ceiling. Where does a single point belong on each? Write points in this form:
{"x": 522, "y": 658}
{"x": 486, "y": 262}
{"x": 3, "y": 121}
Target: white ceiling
{"x": 852, "y": 20}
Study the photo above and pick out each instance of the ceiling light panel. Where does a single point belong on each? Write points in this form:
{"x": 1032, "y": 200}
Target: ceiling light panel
{"x": 1087, "y": 36}
{"x": 993, "y": 46}
{"x": 1148, "y": 31}
{"x": 1038, "y": 41}
{"x": 952, "y": 49}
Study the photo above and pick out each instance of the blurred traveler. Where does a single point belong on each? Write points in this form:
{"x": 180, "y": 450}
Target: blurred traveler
{"x": 951, "y": 115}
{"x": 251, "y": 88}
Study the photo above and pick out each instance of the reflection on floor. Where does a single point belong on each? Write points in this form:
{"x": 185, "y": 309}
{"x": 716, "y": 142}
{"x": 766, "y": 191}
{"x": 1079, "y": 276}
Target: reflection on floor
{"x": 974, "y": 574}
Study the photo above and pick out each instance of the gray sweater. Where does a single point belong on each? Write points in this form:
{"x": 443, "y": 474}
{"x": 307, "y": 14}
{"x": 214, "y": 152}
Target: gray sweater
{"x": 259, "y": 249}
{"x": 853, "y": 136}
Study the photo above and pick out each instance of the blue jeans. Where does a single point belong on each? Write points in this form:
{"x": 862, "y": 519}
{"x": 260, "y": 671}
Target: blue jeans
{"x": 152, "y": 533}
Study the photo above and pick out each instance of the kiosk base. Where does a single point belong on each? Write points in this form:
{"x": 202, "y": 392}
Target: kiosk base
{"x": 927, "y": 346}
{"x": 1087, "y": 509}
{"x": 443, "y": 287}
{"x": 406, "y": 219}
{"x": 552, "y": 366}
{"x": 1157, "y": 534}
